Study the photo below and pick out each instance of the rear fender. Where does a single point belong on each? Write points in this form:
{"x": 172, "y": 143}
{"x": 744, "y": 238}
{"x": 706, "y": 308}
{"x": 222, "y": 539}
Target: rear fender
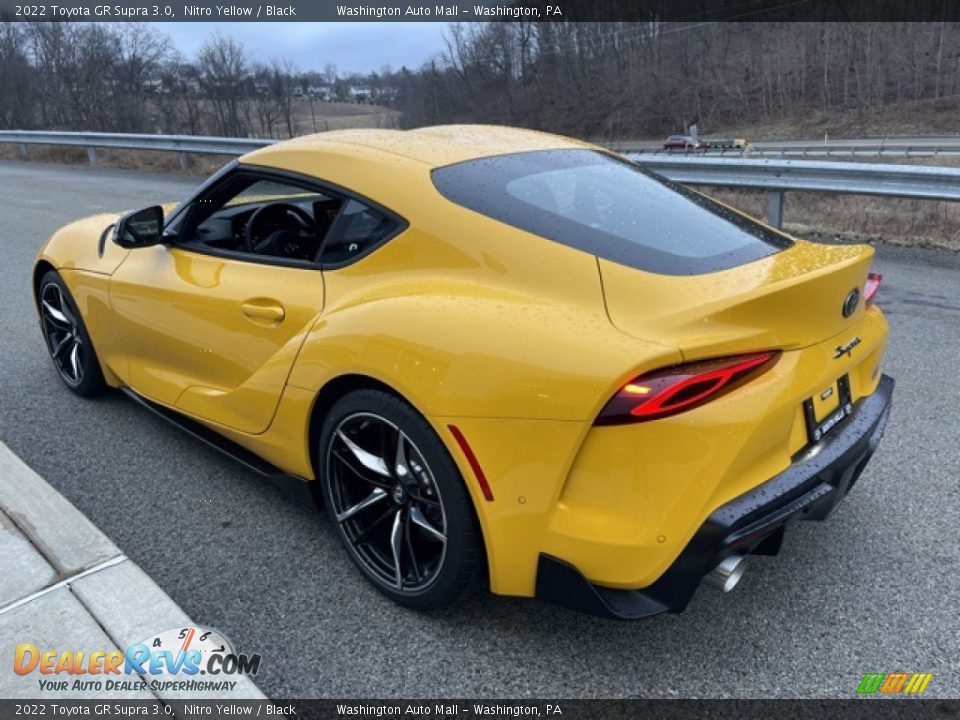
{"x": 496, "y": 357}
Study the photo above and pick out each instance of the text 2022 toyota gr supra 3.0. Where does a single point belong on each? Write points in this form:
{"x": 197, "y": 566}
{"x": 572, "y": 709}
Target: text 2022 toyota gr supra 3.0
{"x": 497, "y": 357}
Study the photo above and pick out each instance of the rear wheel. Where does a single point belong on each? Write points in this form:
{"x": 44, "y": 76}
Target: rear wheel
{"x": 399, "y": 502}
{"x": 67, "y": 339}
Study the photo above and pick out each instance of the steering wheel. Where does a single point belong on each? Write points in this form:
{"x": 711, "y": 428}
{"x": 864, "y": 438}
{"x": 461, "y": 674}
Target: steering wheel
{"x": 275, "y": 220}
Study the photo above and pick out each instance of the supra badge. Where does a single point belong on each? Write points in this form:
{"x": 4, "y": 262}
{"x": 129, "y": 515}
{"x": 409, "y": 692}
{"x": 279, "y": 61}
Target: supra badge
{"x": 846, "y": 349}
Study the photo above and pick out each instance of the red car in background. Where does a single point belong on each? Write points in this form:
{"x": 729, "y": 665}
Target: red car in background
{"x": 684, "y": 142}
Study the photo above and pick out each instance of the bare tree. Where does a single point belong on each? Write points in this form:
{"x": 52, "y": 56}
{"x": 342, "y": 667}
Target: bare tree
{"x": 142, "y": 53}
{"x": 223, "y": 66}
{"x": 16, "y": 79}
{"x": 283, "y": 74}
{"x": 330, "y": 73}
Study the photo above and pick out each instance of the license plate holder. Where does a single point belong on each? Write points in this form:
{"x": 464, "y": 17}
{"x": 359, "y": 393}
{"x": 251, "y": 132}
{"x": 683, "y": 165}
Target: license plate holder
{"x": 817, "y": 428}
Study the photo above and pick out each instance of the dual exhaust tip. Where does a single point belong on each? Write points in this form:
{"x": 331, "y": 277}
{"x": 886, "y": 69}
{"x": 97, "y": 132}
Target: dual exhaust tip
{"x": 728, "y": 573}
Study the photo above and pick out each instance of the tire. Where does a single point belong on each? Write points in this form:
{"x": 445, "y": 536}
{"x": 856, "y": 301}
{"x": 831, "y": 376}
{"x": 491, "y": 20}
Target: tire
{"x": 371, "y": 444}
{"x": 67, "y": 339}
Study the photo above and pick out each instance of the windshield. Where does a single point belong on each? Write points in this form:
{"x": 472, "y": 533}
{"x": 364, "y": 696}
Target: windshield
{"x": 609, "y": 207}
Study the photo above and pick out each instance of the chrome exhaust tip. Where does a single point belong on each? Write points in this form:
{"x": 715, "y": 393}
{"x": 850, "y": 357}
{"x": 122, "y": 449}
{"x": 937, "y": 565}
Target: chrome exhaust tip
{"x": 727, "y": 574}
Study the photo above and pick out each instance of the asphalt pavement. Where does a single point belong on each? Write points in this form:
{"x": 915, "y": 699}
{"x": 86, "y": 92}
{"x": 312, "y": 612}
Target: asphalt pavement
{"x": 874, "y": 589}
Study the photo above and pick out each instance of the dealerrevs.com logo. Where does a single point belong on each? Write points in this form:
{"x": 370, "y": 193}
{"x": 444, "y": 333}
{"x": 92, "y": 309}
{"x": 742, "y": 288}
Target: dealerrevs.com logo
{"x": 191, "y": 659}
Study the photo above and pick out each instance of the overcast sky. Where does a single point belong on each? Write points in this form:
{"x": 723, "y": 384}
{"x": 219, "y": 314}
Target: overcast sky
{"x": 351, "y": 46}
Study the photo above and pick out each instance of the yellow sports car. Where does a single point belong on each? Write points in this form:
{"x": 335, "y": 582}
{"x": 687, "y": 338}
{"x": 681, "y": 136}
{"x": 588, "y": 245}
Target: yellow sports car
{"x": 497, "y": 357}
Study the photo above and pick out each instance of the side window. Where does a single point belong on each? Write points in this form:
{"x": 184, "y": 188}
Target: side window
{"x": 357, "y": 229}
{"x": 263, "y": 217}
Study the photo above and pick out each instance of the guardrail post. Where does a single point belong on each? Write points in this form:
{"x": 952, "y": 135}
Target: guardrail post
{"x": 92, "y": 155}
{"x": 775, "y": 202}
{"x": 184, "y": 161}
{"x": 24, "y": 152}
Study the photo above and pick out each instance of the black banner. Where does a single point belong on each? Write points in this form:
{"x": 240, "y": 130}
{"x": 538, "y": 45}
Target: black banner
{"x": 861, "y": 709}
{"x": 484, "y": 11}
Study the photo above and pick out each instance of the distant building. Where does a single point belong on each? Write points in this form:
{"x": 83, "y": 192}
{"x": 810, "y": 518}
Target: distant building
{"x": 358, "y": 93}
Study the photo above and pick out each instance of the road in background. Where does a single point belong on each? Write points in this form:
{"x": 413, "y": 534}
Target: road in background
{"x": 872, "y": 590}
{"x": 894, "y": 146}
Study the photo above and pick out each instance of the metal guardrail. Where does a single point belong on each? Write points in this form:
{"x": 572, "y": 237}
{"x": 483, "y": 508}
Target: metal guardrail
{"x": 776, "y": 176}
{"x": 807, "y": 151}
{"x": 864, "y": 147}
{"x": 182, "y": 144}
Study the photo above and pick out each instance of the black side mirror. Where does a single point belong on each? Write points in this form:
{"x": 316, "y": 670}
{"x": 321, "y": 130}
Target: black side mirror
{"x": 141, "y": 228}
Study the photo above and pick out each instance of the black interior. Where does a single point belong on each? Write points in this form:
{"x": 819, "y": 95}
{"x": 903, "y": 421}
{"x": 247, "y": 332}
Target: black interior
{"x": 270, "y": 228}
{"x": 301, "y": 224}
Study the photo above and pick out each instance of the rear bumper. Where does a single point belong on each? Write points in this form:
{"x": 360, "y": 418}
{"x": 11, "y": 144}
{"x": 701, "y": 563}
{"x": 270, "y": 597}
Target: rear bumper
{"x": 814, "y": 484}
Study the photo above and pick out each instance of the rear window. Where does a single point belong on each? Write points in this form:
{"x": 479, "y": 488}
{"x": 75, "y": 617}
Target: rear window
{"x": 609, "y": 207}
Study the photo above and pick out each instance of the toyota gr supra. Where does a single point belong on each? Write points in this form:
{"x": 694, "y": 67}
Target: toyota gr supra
{"x": 497, "y": 358}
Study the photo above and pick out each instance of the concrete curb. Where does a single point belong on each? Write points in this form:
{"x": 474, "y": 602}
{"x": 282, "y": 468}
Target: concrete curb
{"x": 62, "y": 534}
{"x": 66, "y": 585}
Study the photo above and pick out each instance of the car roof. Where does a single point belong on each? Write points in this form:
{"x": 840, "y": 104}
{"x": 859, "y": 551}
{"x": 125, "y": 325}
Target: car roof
{"x": 432, "y": 146}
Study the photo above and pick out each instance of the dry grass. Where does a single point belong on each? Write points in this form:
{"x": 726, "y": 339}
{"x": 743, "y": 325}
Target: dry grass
{"x": 326, "y": 116}
{"x": 906, "y": 119}
{"x": 923, "y": 117}
{"x": 144, "y": 160}
{"x": 916, "y": 223}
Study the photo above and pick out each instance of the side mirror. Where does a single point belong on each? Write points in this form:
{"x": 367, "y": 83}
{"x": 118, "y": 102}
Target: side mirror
{"x": 141, "y": 228}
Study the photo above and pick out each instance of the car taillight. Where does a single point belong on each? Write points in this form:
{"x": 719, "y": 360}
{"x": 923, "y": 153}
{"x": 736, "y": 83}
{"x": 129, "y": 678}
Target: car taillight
{"x": 870, "y": 288}
{"x": 682, "y": 387}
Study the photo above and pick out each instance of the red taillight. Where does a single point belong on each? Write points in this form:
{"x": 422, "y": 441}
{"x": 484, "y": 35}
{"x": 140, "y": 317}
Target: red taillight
{"x": 870, "y": 288}
{"x": 676, "y": 389}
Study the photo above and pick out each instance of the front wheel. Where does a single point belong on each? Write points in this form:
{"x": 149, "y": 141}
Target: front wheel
{"x": 67, "y": 338}
{"x": 398, "y": 502}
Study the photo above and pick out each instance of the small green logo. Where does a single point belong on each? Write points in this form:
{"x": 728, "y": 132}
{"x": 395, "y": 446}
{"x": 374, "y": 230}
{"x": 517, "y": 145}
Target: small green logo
{"x": 894, "y": 683}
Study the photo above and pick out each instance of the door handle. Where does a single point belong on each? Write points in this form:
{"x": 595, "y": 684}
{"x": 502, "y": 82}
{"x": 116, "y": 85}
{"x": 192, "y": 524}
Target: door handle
{"x": 263, "y": 311}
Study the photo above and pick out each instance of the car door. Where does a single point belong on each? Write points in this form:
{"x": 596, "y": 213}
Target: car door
{"x": 212, "y": 327}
